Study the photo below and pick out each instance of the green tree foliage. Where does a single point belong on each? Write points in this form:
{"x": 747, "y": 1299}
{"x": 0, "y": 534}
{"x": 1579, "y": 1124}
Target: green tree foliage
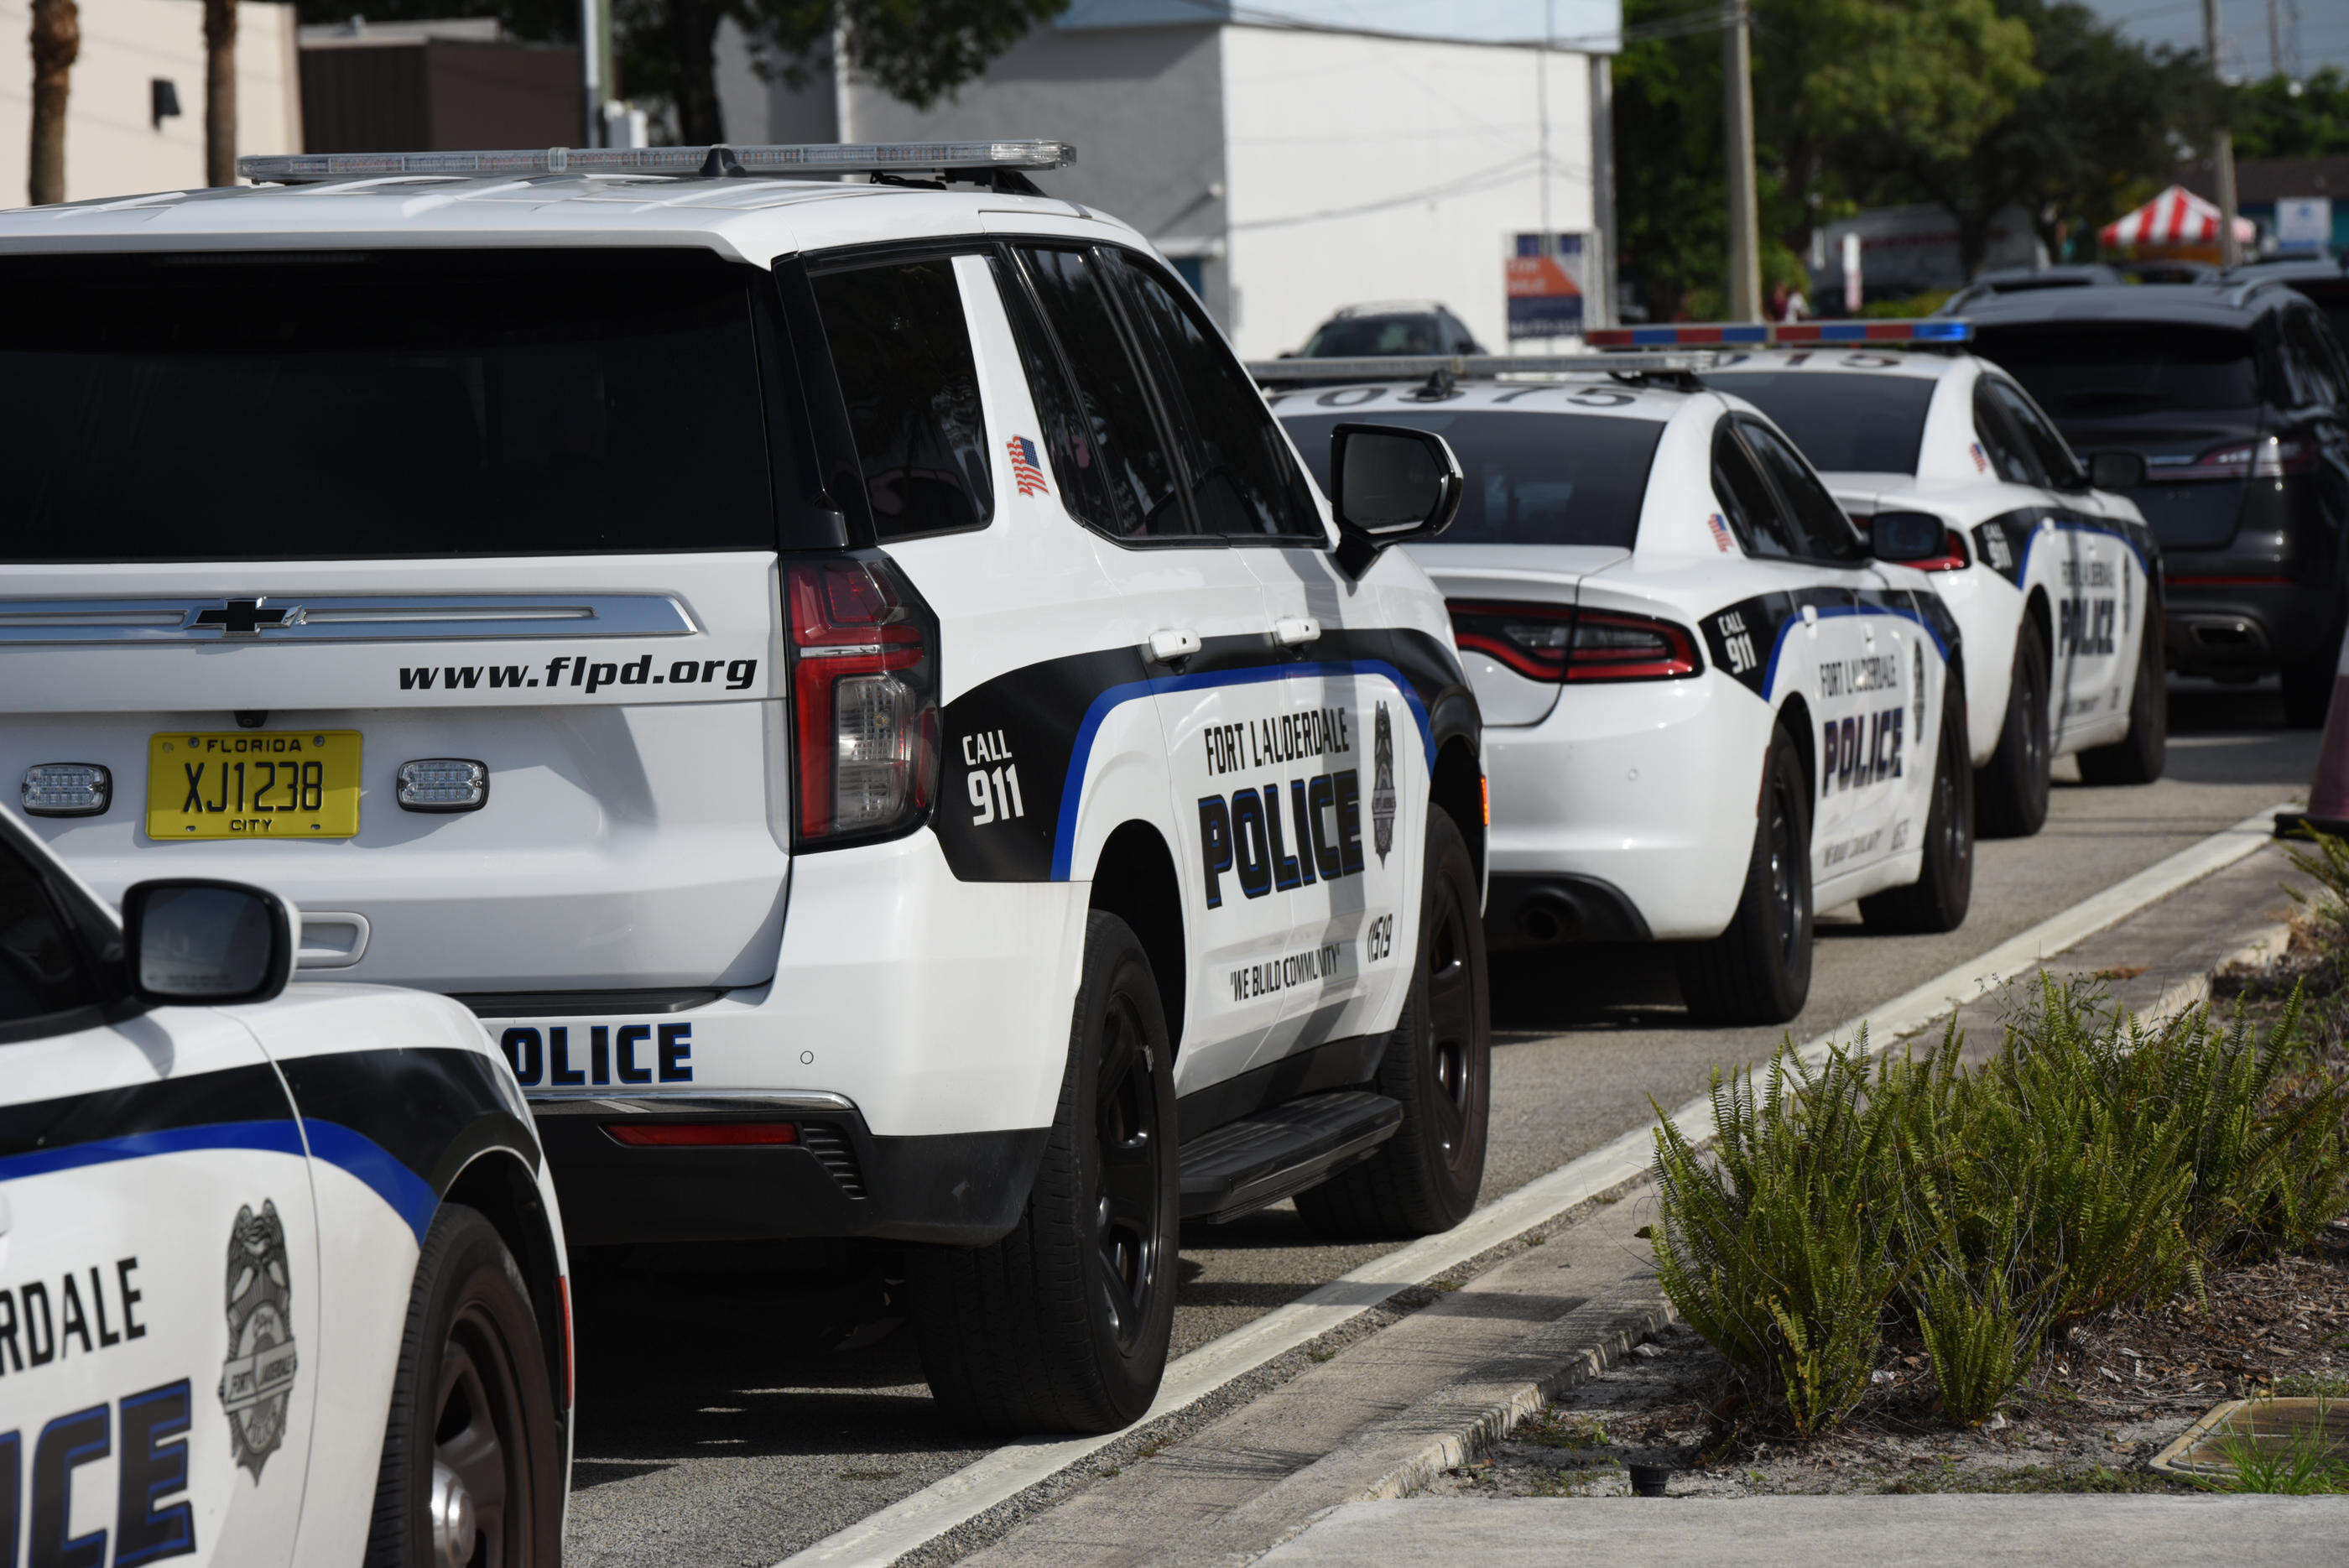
{"x": 917, "y": 51}
{"x": 2279, "y": 118}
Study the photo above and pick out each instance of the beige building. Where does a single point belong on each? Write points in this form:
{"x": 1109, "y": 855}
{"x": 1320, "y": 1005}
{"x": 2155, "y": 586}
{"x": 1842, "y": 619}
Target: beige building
{"x": 115, "y": 143}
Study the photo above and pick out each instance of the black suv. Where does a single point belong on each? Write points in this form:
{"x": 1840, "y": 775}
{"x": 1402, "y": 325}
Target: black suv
{"x": 2236, "y": 394}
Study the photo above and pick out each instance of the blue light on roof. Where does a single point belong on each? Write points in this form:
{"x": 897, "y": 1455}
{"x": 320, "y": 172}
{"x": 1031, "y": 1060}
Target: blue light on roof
{"x": 1943, "y": 331}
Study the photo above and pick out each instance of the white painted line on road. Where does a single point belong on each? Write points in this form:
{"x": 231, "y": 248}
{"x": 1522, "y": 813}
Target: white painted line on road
{"x": 882, "y": 1537}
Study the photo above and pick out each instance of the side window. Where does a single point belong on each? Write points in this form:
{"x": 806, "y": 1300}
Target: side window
{"x": 40, "y": 971}
{"x": 2047, "y": 447}
{"x": 1069, "y": 445}
{"x": 2000, "y": 439}
{"x": 1823, "y": 531}
{"x": 1243, "y": 483}
{"x": 1135, "y": 462}
{"x": 1745, "y": 500}
{"x": 2312, "y": 363}
{"x": 902, "y": 351}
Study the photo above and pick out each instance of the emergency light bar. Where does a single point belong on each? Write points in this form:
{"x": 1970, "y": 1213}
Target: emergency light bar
{"x": 1460, "y": 366}
{"x": 815, "y": 157}
{"x": 1936, "y": 330}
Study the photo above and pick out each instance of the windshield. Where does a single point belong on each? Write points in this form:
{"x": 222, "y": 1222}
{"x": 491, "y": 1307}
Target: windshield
{"x": 2126, "y": 368}
{"x": 1533, "y": 478}
{"x": 1845, "y": 423}
{"x": 1356, "y": 336}
{"x": 245, "y": 408}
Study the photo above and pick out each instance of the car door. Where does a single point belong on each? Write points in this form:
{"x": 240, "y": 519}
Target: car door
{"x": 1199, "y": 610}
{"x": 1341, "y": 752}
{"x": 1867, "y": 666}
{"x": 158, "y": 1286}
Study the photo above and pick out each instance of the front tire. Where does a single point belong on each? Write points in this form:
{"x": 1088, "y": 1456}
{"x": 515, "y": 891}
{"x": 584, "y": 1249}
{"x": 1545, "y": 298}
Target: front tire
{"x": 1438, "y": 1063}
{"x": 2138, "y": 757}
{"x": 2011, "y": 789}
{"x": 1938, "y": 899}
{"x": 472, "y": 1469}
{"x": 1062, "y": 1325}
{"x": 1758, "y": 971}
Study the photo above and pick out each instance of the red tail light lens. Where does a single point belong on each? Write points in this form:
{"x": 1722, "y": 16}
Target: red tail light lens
{"x": 701, "y": 1135}
{"x": 1953, "y": 557}
{"x": 1558, "y": 643}
{"x": 2269, "y": 457}
{"x": 864, "y": 699}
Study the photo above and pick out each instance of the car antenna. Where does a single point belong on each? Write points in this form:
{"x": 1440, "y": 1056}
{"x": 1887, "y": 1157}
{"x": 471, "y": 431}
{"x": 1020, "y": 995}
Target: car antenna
{"x": 1438, "y": 386}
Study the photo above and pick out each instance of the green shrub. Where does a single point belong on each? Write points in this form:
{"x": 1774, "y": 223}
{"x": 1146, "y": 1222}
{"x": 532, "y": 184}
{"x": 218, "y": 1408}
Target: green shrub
{"x": 1977, "y": 1339}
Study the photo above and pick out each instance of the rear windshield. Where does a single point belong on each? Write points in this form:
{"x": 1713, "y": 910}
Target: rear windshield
{"x": 1356, "y": 337}
{"x": 1533, "y": 478}
{"x": 248, "y": 408}
{"x": 2126, "y": 368}
{"x": 1845, "y": 423}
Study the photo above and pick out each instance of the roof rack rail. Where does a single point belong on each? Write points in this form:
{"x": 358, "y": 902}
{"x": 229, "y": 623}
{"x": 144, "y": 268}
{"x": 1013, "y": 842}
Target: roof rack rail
{"x": 1925, "y": 332}
{"x": 984, "y": 161}
{"x": 1459, "y": 366}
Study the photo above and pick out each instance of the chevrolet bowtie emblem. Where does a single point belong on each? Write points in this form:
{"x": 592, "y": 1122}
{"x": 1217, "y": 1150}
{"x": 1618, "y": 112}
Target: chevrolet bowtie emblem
{"x": 244, "y": 618}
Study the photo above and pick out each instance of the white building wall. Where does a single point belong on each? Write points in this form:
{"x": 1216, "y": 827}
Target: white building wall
{"x": 111, "y": 149}
{"x": 1365, "y": 168}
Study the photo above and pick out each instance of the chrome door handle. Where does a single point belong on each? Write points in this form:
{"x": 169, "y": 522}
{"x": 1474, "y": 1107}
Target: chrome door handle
{"x": 1166, "y": 647}
{"x": 1296, "y": 630}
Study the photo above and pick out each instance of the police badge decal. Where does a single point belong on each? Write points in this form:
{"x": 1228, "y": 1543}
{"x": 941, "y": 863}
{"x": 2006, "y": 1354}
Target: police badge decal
{"x": 1382, "y": 788}
{"x": 257, "y": 1381}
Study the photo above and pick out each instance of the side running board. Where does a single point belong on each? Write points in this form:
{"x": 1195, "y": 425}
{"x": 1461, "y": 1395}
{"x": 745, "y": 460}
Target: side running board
{"x": 1260, "y": 1159}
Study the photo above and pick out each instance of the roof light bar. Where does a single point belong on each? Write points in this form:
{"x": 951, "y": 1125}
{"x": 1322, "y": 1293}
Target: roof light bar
{"x": 1402, "y": 367}
{"x": 814, "y": 157}
{"x": 1936, "y": 330}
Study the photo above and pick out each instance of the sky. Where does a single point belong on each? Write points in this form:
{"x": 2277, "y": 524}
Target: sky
{"x": 2323, "y": 30}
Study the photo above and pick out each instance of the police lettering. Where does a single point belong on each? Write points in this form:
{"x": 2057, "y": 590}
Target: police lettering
{"x": 1282, "y": 836}
{"x": 79, "y": 1314}
{"x": 2085, "y": 626}
{"x": 624, "y": 1054}
{"x": 1281, "y": 738}
{"x": 146, "y": 1435}
{"x": 1860, "y": 750}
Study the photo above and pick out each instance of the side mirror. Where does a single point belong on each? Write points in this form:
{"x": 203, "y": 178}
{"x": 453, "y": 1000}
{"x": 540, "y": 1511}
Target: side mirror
{"x": 1388, "y": 485}
{"x": 1906, "y": 536}
{"x": 205, "y": 944}
{"x": 2115, "y": 469}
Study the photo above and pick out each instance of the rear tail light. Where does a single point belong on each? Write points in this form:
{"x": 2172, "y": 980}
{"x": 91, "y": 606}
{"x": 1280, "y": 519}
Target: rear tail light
{"x": 1953, "y": 557}
{"x": 701, "y": 1135}
{"x": 1560, "y": 643}
{"x": 864, "y": 699}
{"x": 2269, "y": 457}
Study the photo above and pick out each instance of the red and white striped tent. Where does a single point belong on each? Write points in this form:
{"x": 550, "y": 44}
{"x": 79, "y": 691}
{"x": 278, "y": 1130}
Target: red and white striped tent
{"x": 2175, "y": 217}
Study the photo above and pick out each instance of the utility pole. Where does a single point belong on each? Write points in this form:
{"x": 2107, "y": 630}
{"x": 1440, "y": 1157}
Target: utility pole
{"x": 1737, "y": 120}
{"x": 591, "y": 89}
{"x": 2275, "y": 43}
{"x": 2222, "y": 140}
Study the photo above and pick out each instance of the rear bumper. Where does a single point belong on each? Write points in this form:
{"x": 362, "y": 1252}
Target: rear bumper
{"x": 2246, "y": 628}
{"x": 836, "y": 1180}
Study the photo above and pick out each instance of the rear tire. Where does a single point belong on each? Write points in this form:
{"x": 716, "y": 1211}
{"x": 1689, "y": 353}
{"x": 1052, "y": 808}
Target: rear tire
{"x": 2011, "y": 789}
{"x": 1438, "y": 1063}
{"x": 1062, "y": 1325}
{"x": 2308, "y": 687}
{"x": 1938, "y": 899}
{"x": 1759, "y": 970}
{"x": 471, "y": 1405}
{"x": 2139, "y": 757}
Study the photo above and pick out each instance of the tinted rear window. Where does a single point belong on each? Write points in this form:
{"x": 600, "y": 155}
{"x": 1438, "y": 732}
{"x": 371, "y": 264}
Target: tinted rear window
{"x": 2126, "y": 368}
{"x": 1844, "y": 423}
{"x": 1533, "y": 479}
{"x": 427, "y": 404}
{"x": 1362, "y": 335}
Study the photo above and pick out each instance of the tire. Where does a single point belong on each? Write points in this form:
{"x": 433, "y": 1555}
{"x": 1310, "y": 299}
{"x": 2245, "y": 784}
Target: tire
{"x": 1938, "y": 899}
{"x": 1438, "y": 1063}
{"x": 1758, "y": 971}
{"x": 1062, "y": 1325}
{"x": 471, "y": 1365}
{"x": 2011, "y": 789}
{"x": 2138, "y": 757}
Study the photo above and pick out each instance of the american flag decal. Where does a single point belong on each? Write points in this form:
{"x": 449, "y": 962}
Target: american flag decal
{"x": 1024, "y": 471}
{"x": 1721, "y": 539}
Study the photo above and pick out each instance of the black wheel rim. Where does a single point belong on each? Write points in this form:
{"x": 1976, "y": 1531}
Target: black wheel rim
{"x": 2034, "y": 700}
{"x": 1787, "y": 913}
{"x": 1126, "y": 1229}
{"x": 481, "y": 1492}
{"x": 1449, "y": 1047}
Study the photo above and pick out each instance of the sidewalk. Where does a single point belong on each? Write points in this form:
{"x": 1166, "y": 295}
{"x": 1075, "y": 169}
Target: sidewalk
{"x": 1973, "y": 1530}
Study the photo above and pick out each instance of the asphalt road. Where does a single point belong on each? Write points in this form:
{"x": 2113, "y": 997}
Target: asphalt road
{"x": 710, "y": 1432}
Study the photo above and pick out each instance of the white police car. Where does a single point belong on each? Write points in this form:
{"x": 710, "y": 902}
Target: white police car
{"x": 847, "y": 679}
{"x": 281, "y": 1276}
{"x": 1709, "y": 710}
{"x": 2054, "y": 579}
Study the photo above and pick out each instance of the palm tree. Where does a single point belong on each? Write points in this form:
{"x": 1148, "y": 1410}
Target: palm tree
{"x": 57, "y": 39}
{"x": 220, "y": 92}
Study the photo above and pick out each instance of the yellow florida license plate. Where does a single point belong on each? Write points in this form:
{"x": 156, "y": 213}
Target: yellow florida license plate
{"x": 253, "y": 784}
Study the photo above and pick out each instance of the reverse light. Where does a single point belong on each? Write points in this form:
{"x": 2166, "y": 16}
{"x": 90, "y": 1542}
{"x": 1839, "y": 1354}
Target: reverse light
{"x": 441, "y": 785}
{"x": 2269, "y": 457}
{"x": 702, "y": 1135}
{"x": 864, "y": 699}
{"x": 1560, "y": 643}
{"x": 66, "y": 789}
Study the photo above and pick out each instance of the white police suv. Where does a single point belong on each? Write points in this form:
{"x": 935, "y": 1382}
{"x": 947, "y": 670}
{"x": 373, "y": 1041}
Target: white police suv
{"x": 1710, "y": 709}
{"x": 847, "y": 680}
{"x": 281, "y": 1276}
{"x": 2052, "y": 577}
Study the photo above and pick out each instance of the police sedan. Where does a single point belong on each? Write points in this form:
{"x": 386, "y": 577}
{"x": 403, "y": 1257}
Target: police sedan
{"x": 2052, "y": 577}
{"x": 1711, "y": 708}
{"x": 282, "y": 1279}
